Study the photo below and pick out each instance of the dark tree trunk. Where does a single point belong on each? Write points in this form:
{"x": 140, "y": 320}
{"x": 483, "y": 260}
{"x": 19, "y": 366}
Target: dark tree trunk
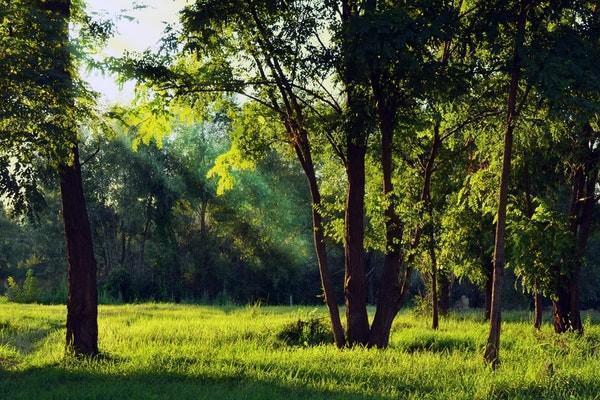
{"x": 565, "y": 311}
{"x": 356, "y": 136}
{"x": 444, "y": 293}
{"x": 329, "y": 296}
{"x": 537, "y": 305}
{"x": 390, "y": 288}
{"x": 493, "y": 343}
{"x": 434, "y": 276}
{"x": 355, "y": 283}
{"x": 82, "y": 301}
{"x": 488, "y": 293}
{"x": 562, "y": 317}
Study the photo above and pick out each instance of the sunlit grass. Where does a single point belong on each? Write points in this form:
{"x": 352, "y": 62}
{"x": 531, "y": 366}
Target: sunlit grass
{"x": 156, "y": 351}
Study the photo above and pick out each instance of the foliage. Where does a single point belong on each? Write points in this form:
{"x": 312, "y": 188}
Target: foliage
{"x": 311, "y": 331}
{"x": 28, "y": 292}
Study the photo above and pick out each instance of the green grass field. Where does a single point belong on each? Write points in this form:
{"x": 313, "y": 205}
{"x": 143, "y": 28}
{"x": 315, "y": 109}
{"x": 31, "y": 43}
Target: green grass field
{"x": 164, "y": 351}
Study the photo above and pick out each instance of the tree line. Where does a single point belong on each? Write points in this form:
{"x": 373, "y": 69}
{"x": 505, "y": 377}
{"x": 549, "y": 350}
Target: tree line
{"x": 453, "y": 138}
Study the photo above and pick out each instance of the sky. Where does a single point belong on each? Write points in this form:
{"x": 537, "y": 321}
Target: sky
{"x": 140, "y": 32}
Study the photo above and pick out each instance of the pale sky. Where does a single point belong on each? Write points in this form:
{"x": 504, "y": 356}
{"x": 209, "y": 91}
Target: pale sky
{"x": 141, "y": 33}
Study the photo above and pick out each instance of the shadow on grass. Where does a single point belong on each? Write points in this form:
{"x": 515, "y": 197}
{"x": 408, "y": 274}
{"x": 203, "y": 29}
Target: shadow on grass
{"x": 58, "y": 383}
{"x": 25, "y": 340}
{"x": 436, "y": 344}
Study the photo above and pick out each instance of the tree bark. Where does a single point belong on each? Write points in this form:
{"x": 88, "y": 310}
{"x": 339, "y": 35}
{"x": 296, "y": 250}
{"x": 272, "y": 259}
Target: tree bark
{"x": 292, "y": 117}
{"x": 82, "y": 301}
{"x": 537, "y": 304}
{"x": 355, "y": 283}
{"x": 493, "y": 343}
{"x": 390, "y": 288}
{"x": 434, "y": 293}
{"x": 444, "y": 293}
{"x": 566, "y": 315}
{"x": 488, "y": 292}
{"x": 329, "y": 296}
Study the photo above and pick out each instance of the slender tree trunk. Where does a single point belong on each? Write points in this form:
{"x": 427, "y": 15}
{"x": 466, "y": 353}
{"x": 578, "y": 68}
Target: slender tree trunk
{"x": 292, "y": 117}
{"x": 488, "y": 293}
{"x": 537, "y": 303}
{"x": 537, "y": 297}
{"x": 434, "y": 292}
{"x": 329, "y": 296}
{"x": 390, "y": 288}
{"x": 82, "y": 301}
{"x": 493, "y": 343}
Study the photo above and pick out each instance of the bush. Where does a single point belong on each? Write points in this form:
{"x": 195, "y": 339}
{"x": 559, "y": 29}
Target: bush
{"x": 28, "y": 293}
{"x": 422, "y": 306}
{"x": 312, "y": 331}
{"x": 13, "y": 293}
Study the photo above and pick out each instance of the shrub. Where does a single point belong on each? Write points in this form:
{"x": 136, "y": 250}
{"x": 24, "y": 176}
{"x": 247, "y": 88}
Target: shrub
{"x": 28, "y": 293}
{"x": 422, "y": 306}
{"x": 13, "y": 293}
{"x": 31, "y": 288}
{"x": 312, "y": 331}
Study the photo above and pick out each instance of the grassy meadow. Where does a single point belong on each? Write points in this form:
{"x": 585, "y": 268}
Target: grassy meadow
{"x": 166, "y": 351}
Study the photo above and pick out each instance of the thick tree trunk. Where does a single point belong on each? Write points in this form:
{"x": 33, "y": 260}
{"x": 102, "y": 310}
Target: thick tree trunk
{"x": 566, "y": 315}
{"x": 82, "y": 302}
{"x": 355, "y": 283}
{"x": 493, "y": 343}
{"x": 564, "y": 318}
{"x": 538, "y": 312}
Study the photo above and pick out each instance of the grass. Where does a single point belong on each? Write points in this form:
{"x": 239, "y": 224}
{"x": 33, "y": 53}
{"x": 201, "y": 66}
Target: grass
{"x": 165, "y": 351}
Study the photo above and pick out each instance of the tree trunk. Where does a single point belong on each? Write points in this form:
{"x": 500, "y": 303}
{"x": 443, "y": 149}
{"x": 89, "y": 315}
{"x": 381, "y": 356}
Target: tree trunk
{"x": 82, "y": 301}
{"x": 565, "y": 309}
{"x": 537, "y": 303}
{"x": 493, "y": 343}
{"x": 390, "y": 289}
{"x": 434, "y": 293}
{"x": 444, "y": 293}
{"x": 355, "y": 284}
{"x": 329, "y": 296}
{"x": 488, "y": 293}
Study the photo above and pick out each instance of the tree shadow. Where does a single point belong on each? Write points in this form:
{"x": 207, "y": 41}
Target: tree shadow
{"x": 26, "y": 339}
{"x": 59, "y": 383}
{"x": 437, "y": 344}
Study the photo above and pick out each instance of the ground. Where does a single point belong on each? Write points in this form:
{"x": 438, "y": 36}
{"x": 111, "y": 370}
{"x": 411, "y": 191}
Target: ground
{"x": 166, "y": 351}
